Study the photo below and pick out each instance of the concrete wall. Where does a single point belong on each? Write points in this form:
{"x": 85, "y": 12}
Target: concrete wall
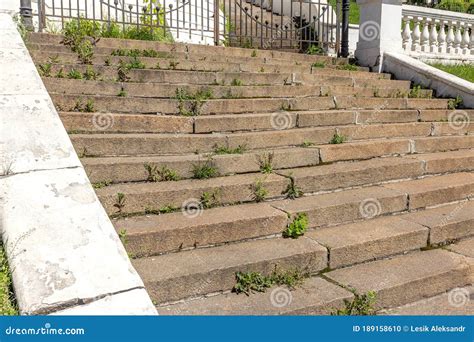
{"x": 62, "y": 248}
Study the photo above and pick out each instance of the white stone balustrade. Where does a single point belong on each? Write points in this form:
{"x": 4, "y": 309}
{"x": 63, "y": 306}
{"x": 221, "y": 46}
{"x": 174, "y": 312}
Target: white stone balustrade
{"x": 428, "y": 32}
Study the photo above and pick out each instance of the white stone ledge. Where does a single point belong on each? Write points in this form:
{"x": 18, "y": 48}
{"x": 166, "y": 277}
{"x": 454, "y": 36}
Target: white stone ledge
{"x": 134, "y": 302}
{"x": 62, "y": 248}
{"x": 446, "y": 85}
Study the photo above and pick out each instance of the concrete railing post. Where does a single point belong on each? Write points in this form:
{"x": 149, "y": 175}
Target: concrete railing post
{"x": 379, "y": 30}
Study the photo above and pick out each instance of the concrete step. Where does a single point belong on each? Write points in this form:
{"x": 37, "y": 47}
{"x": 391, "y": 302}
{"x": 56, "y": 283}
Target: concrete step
{"x": 38, "y": 40}
{"x": 319, "y": 76}
{"x": 81, "y": 122}
{"x": 181, "y": 61}
{"x": 157, "y": 90}
{"x": 293, "y": 162}
{"x": 456, "y": 302}
{"x": 66, "y": 102}
{"x": 447, "y": 223}
{"x": 404, "y": 279}
{"x": 328, "y": 296}
{"x": 175, "y": 276}
{"x": 142, "y": 197}
{"x": 131, "y": 169}
{"x": 316, "y": 296}
{"x": 157, "y": 234}
{"x": 166, "y": 144}
{"x": 368, "y": 202}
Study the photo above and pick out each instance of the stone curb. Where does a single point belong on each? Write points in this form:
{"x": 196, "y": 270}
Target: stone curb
{"x": 64, "y": 253}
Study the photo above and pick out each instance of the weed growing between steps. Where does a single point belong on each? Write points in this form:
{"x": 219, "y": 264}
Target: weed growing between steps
{"x": 140, "y": 53}
{"x": 259, "y": 192}
{"x": 45, "y": 69}
{"x": 210, "y": 199}
{"x": 227, "y": 150}
{"x": 8, "y": 306}
{"x": 292, "y": 191}
{"x": 265, "y": 162}
{"x": 88, "y": 107}
{"x": 307, "y": 143}
{"x": 163, "y": 174}
{"x": 360, "y": 305}
{"x": 205, "y": 169}
{"x": 191, "y": 104}
{"x": 166, "y": 209}
{"x": 120, "y": 202}
{"x": 455, "y": 103}
{"x": 348, "y": 67}
{"x": 297, "y": 227}
{"x": 338, "y": 139}
{"x": 100, "y": 185}
{"x": 249, "y": 282}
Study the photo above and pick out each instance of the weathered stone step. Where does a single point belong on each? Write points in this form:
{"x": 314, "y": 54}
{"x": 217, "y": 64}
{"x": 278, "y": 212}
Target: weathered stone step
{"x": 131, "y": 169}
{"x": 38, "y": 40}
{"x": 441, "y": 304}
{"x": 319, "y": 76}
{"x": 446, "y": 223}
{"x": 197, "y": 272}
{"x": 316, "y": 296}
{"x": 165, "y": 144}
{"x": 432, "y": 191}
{"x": 81, "y": 122}
{"x": 347, "y": 243}
{"x": 307, "y": 178}
{"x": 180, "y": 61}
{"x": 142, "y": 197}
{"x": 404, "y": 279}
{"x": 409, "y": 281}
{"x": 195, "y": 227}
{"x": 66, "y": 102}
{"x": 157, "y": 90}
{"x": 350, "y": 205}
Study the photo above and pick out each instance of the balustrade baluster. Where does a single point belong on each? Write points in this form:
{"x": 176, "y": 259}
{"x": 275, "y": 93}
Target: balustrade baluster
{"x": 425, "y": 36}
{"x": 465, "y": 40}
{"x": 406, "y": 34}
{"x": 433, "y": 36}
{"x": 442, "y": 37}
{"x": 458, "y": 38}
{"x": 416, "y": 34}
{"x": 450, "y": 38}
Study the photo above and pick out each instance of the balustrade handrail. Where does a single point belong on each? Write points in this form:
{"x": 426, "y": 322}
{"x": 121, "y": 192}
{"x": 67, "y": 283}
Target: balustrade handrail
{"x": 436, "y": 14}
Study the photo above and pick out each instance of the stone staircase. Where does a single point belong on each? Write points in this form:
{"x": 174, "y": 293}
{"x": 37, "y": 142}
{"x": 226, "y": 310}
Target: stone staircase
{"x": 203, "y": 156}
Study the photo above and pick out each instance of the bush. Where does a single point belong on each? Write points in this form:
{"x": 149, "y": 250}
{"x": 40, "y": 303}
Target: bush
{"x": 453, "y": 5}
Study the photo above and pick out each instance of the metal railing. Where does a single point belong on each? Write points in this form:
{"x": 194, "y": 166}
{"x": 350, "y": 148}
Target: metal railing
{"x": 264, "y": 24}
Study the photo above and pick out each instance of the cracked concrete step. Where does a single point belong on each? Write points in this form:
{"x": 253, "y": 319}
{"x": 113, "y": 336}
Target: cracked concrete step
{"x": 158, "y": 90}
{"x": 131, "y": 169}
{"x": 351, "y": 205}
{"x": 142, "y": 197}
{"x": 458, "y": 301}
{"x": 446, "y": 223}
{"x": 404, "y": 279}
{"x": 166, "y": 144}
{"x": 134, "y": 105}
{"x": 442, "y": 162}
{"x": 197, "y": 272}
{"x": 315, "y": 296}
{"x": 157, "y": 234}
